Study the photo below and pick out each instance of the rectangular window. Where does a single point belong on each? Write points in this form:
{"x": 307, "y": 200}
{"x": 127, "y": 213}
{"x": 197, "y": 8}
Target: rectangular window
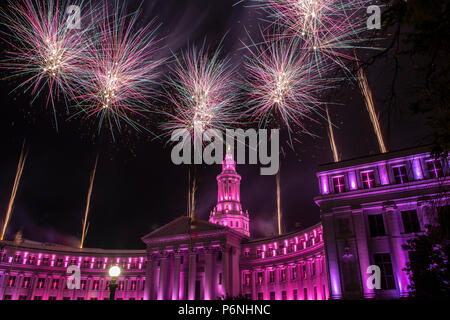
{"x": 55, "y": 283}
{"x": 66, "y": 298}
{"x": 37, "y": 298}
{"x": 26, "y": 282}
{"x": 22, "y": 297}
{"x": 272, "y": 295}
{"x": 220, "y": 278}
{"x": 435, "y": 168}
{"x": 83, "y": 284}
{"x": 80, "y": 298}
{"x": 305, "y": 294}
{"x": 294, "y": 294}
{"x": 51, "y": 298}
{"x": 400, "y": 175}
{"x": 260, "y": 296}
{"x": 294, "y": 273}
{"x": 313, "y": 266}
{"x": 315, "y": 293}
{"x": 283, "y": 274}
{"x": 40, "y": 283}
{"x": 339, "y": 184}
{"x": 410, "y": 221}
{"x": 376, "y": 225}
{"x": 95, "y": 285}
{"x": 368, "y": 179}
{"x": 260, "y": 277}
{"x": 304, "y": 271}
{"x": 133, "y": 285}
{"x": 383, "y": 260}
{"x": 283, "y": 295}
{"x": 272, "y": 276}
{"x": 11, "y": 281}
{"x": 258, "y": 253}
{"x": 248, "y": 279}
{"x": 8, "y": 297}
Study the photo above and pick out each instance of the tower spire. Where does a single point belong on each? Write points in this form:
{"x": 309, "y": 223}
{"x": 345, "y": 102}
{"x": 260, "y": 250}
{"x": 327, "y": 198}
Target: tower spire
{"x": 228, "y": 211}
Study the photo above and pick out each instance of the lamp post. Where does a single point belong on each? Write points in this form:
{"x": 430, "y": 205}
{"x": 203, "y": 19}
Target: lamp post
{"x": 114, "y": 273}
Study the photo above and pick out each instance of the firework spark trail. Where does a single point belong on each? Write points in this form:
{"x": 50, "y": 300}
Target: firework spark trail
{"x": 331, "y": 137}
{"x": 202, "y": 93}
{"x": 20, "y": 166}
{"x": 367, "y": 93}
{"x": 119, "y": 70}
{"x": 88, "y": 203}
{"x": 45, "y": 49}
{"x": 282, "y": 81}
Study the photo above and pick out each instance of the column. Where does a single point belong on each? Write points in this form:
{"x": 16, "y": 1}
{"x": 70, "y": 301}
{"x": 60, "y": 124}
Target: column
{"x": 334, "y": 276}
{"x": 254, "y": 273}
{"x": 150, "y": 277}
{"x": 397, "y": 253}
{"x": 192, "y": 275}
{"x": 162, "y": 288}
{"x": 225, "y": 270}
{"x": 363, "y": 252}
{"x": 208, "y": 275}
{"x": 176, "y": 276}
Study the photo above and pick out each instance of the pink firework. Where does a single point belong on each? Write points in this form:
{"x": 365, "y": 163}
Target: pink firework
{"x": 202, "y": 93}
{"x": 331, "y": 29}
{"x": 281, "y": 82}
{"x": 120, "y": 70}
{"x": 47, "y": 43}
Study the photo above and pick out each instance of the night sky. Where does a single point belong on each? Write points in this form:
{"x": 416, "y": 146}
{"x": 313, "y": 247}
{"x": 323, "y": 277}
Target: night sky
{"x": 137, "y": 188}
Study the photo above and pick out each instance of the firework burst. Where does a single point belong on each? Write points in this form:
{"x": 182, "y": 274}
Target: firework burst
{"x": 120, "y": 70}
{"x": 330, "y": 28}
{"x": 281, "y": 81}
{"x": 46, "y": 44}
{"x": 202, "y": 93}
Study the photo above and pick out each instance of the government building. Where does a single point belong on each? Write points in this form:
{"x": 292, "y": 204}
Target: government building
{"x": 369, "y": 208}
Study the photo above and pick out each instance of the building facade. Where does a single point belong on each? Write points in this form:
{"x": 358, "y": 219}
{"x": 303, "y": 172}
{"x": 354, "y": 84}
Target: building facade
{"x": 369, "y": 208}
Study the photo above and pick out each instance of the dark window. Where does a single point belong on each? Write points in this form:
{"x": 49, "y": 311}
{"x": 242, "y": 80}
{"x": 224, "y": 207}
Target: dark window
{"x": 435, "y": 168}
{"x": 400, "y": 175}
{"x": 247, "y": 279}
{"x": 51, "y": 298}
{"x": 22, "y": 297}
{"x": 7, "y": 297}
{"x": 66, "y": 298}
{"x": 133, "y": 285}
{"x": 283, "y": 274}
{"x": 315, "y": 293}
{"x": 294, "y": 273}
{"x": 305, "y": 293}
{"x": 37, "y": 298}
{"x": 11, "y": 281}
{"x": 339, "y": 184}
{"x": 368, "y": 179}
{"x": 260, "y": 296}
{"x": 283, "y": 295}
{"x": 26, "y": 282}
{"x": 83, "y": 284}
{"x": 55, "y": 283}
{"x": 272, "y": 295}
{"x": 313, "y": 266}
{"x": 410, "y": 221}
{"x": 220, "y": 278}
{"x": 294, "y": 294}
{"x": 260, "y": 277}
{"x": 304, "y": 271}
{"x": 248, "y": 296}
{"x": 376, "y": 225}
{"x": 181, "y": 259}
{"x": 80, "y": 298}
{"x": 272, "y": 276}
{"x": 40, "y": 284}
{"x": 383, "y": 260}
{"x": 96, "y": 284}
